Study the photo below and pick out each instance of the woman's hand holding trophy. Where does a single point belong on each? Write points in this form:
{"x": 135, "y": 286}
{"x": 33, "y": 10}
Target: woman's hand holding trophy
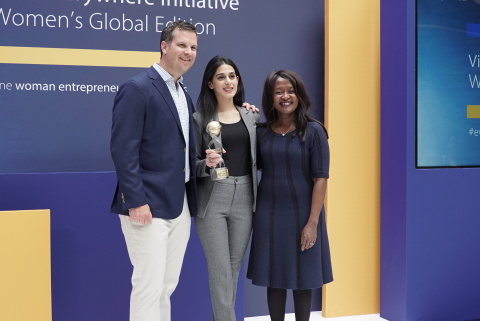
{"x": 214, "y": 154}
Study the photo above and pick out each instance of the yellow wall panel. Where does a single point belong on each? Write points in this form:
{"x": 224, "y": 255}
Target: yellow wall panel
{"x": 352, "y": 104}
{"x": 25, "y": 282}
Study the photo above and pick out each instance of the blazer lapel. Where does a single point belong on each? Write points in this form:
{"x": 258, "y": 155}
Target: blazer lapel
{"x": 250, "y": 123}
{"x": 162, "y": 88}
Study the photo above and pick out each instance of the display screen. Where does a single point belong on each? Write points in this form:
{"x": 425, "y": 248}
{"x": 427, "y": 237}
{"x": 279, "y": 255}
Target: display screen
{"x": 448, "y": 83}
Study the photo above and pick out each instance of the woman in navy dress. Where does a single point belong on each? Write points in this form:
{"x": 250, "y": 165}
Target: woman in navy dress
{"x": 289, "y": 243}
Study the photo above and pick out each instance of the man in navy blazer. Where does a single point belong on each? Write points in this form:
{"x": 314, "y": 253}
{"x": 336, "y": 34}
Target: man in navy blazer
{"x": 153, "y": 149}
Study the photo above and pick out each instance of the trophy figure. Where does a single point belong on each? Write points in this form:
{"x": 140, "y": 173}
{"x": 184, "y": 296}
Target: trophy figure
{"x": 214, "y": 129}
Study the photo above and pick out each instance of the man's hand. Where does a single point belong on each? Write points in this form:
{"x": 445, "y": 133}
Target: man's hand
{"x": 250, "y": 107}
{"x": 141, "y": 214}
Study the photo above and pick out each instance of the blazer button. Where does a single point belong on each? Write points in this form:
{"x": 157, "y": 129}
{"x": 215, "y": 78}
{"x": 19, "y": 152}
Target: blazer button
{"x": 184, "y": 169}
{"x": 184, "y": 150}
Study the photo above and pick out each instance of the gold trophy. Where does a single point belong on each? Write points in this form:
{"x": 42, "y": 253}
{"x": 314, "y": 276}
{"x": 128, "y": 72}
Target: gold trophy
{"x": 214, "y": 129}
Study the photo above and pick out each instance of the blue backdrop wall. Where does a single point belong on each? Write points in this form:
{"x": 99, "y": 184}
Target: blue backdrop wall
{"x": 54, "y": 142}
{"x": 429, "y": 237}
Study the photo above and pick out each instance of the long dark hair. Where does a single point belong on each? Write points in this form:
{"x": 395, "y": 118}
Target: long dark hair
{"x": 207, "y": 102}
{"x": 301, "y": 113}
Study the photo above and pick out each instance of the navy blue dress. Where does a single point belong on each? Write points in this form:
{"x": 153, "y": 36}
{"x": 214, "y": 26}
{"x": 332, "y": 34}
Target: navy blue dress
{"x": 283, "y": 208}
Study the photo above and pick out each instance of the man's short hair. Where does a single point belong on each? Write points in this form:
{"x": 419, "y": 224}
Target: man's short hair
{"x": 167, "y": 33}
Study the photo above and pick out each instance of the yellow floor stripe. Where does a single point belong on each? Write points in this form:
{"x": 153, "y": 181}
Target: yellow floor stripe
{"x": 77, "y": 57}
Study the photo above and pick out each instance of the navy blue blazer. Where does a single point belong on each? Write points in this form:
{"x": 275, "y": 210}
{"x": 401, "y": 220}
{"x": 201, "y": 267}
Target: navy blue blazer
{"x": 148, "y": 149}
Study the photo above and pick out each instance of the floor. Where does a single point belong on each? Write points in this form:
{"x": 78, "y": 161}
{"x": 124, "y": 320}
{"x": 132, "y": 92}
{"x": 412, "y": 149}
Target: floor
{"x": 317, "y": 316}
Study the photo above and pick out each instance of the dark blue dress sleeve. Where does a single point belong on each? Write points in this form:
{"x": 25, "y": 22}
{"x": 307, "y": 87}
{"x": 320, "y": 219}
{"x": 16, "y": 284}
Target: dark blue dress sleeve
{"x": 319, "y": 151}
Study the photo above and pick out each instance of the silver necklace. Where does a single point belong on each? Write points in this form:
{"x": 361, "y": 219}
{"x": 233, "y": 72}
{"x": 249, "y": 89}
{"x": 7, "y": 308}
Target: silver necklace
{"x": 284, "y": 133}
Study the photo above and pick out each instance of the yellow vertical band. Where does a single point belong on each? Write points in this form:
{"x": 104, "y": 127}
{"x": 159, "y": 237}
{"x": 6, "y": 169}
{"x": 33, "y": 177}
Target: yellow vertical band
{"x": 25, "y": 290}
{"x": 352, "y": 103}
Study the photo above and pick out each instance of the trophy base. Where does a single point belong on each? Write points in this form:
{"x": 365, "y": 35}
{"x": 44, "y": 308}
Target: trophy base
{"x": 219, "y": 173}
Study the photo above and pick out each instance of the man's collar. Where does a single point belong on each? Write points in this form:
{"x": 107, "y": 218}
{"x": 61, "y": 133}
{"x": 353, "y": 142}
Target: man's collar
{"x": 165, "y": 75}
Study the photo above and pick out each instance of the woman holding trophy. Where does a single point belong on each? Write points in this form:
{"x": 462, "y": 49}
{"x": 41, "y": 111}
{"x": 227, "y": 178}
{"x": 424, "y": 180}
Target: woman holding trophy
{"x": 226, "y": 179}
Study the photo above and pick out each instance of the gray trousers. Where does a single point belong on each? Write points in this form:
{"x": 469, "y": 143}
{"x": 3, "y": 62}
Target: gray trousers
{"x": 224, "y": 234}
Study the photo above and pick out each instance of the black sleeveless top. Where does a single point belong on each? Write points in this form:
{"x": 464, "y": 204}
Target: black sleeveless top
{"x": 236, "y": 142}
